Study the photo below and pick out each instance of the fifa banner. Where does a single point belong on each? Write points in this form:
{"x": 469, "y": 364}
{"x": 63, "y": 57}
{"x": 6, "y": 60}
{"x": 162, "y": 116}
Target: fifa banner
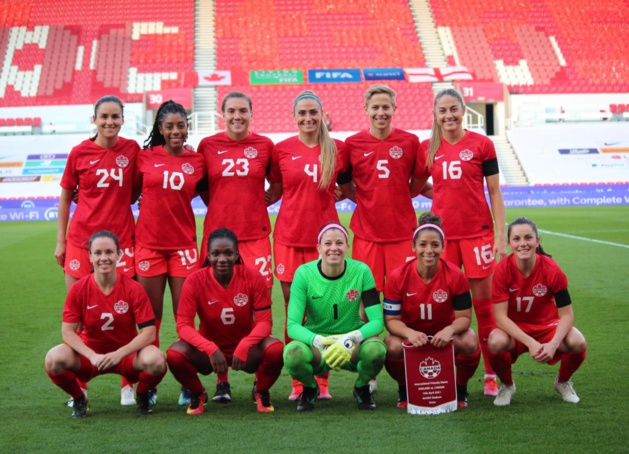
{"x": 276, "y": 77}
{"x": 214, "y": 78}
{"x": 430, "y": 379}
{"x": 438, "y": 74}
{"x": 333, "y": 76}
{"x": 384, "y": 74}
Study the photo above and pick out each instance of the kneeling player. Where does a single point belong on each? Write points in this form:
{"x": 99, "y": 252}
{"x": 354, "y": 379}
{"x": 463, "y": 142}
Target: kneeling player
{"x": 108, "y": 306}
{"x": 235, "y": 322}
{"x": 329, "y": 292}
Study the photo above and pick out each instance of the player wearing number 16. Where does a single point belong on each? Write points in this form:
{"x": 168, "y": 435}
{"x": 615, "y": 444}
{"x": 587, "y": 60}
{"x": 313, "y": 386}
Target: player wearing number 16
{"x": 166, "y": 240}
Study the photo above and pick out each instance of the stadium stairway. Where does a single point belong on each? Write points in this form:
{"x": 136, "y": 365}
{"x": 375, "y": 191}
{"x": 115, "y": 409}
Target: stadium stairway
{"x": 427, "y": 33}
{"x": 205, "y": 99}
{"x": 509, "y": 163}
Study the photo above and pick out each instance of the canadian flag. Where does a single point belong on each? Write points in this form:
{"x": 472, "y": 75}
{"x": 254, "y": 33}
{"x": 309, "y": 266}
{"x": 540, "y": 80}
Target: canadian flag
{"x": 215, "y": 78}
{"x": 438, "y": 74}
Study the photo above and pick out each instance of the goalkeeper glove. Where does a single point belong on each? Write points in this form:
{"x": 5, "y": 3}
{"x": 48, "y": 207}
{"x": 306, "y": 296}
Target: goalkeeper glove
{"x": 339, "y": 351}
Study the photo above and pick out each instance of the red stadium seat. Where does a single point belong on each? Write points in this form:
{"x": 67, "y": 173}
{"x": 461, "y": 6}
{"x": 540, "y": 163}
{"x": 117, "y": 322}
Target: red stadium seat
{"x": 19, "y": 121}
{"x": 10, "y": 121}
{"x": 28, "y": 121}
{"x": 613, "y": 108}
{"x": 3, "y": 122}
{"x": 37, "y": 122}
{"x": 621, "y": 108}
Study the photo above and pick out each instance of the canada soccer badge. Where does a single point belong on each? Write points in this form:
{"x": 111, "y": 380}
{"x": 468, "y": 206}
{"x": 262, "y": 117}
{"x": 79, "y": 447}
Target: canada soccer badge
{"x": 251, "y": 152}
{"x": 187, "y": 168}
{"x": 539, "y": 290}
{"x": 280, "y": 268}
{"x": 144, "y": 265}
{"x": 241, "y": 299}
{"x": 352, "y": 295}
{"x": 396, "y": 152}
{"x": 121, "y": 307}
{"x": 466, "y": 155}
{"x": 440, "y": 296}
{"x": 75, "y": 264}
{"x": 122, "y": 161}
{"x": 430, "y": 368}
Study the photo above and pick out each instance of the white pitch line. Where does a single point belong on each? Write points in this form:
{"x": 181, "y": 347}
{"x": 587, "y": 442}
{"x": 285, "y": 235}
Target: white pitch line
{"x": 609, "y": 243}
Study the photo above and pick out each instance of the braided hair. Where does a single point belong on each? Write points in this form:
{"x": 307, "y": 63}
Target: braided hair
{"x": 156, "y": 138}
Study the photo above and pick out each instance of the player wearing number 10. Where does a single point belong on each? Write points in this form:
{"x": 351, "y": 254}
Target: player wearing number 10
{"x": 166, "y": 230}
{"x": 460, "y": 162}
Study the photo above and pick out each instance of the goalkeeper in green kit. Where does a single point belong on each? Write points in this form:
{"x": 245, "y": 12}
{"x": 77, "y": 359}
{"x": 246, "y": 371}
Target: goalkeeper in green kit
{"x": 328, "y": 293}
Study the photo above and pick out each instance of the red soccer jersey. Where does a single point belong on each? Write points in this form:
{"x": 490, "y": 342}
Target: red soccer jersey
{"x": 424, "y": 307}
{"x": 459, "y": 186}
{"x": 166, "y": 220}
{"x": 382, "y": 170}
{"x": 531, "y": 300}
{"x": 237, "y": 171}
{"x": 304, "y": 209}
{"x": 109, "y": 321}
{"x": 227, "y": 316}
{"x": 105, "y": 180}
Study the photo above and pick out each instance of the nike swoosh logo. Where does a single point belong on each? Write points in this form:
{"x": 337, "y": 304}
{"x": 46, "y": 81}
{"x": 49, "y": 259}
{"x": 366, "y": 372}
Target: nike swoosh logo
{"x": 127, "y": 269}
{"x": 609, "y": 144}
{"x": 486, "y": 267}
{"x": 92, "y": 307}
{"x": 222, "y": 151}
{"x": 212, "y": 302}
{"x": 439, "y": 157}
{"x": 411, "y": 294}
{"x": 367, "y": 154}
{"x": 159, "y": 165}
{"x": 94, "y": 162}
{"x": 295, "y": 157}
{"x": 190, "y": 267}
{"x": 514, "y": 289}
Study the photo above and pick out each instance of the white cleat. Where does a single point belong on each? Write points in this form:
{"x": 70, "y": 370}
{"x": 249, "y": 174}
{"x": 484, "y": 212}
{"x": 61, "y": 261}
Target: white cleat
{"x": 127, "y": 397}
{"x": 505, "y": 393}
{"x": 373, "y": 386}
{"x": 567, "y": 391}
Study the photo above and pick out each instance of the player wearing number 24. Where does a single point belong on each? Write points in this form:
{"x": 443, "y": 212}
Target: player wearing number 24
{"x": 107, "y": 306}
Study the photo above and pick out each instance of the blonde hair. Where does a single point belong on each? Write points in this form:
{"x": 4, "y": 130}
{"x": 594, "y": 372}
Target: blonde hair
{"x": 326, "y": 144}
{"x": 379, "y": 89}
{"x": 436, "y": 134}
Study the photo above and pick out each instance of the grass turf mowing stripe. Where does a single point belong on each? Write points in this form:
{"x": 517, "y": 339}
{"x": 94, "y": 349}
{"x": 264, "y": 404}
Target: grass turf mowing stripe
{"x": 591, "y": 240}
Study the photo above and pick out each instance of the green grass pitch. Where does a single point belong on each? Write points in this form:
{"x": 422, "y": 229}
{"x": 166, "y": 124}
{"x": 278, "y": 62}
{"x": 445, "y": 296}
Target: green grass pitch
{"x": 34, "y": 418}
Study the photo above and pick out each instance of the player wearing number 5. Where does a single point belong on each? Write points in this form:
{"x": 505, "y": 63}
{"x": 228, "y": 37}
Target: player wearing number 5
{"x": 102, "y": 170}
{"x": 329, "y": 292}
{"x": 166, "y": 229}
{"x": 108, "y": 306}
{"x": 460, "y": 162}
{"x": 235, "y": 322}
{"x": 533, "y": 312}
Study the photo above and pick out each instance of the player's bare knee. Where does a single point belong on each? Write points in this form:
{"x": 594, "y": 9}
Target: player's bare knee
{"x": 57, "y": 359}
{"x": 394, "y": 347}
{"x": 152, "y": 360}
{"x": 497, "y": 341}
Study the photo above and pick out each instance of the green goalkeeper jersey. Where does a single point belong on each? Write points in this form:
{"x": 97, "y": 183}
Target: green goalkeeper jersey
{"x": 332, "y": 305}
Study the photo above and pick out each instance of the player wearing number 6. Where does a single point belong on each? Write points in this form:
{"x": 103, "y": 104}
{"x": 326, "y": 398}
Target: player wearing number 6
{"x": 533, "y": 312}
{"x": 166, "y": 230}
{"x": 108, "y": 306}
{"x": 329, "y": 292}
{"x": 430, "y": 297}
{"x": 460, "y": 162}
{"x": 235, "y": 321}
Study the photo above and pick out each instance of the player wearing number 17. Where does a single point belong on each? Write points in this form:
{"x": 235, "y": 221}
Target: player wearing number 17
{"x": 460, "y": 162}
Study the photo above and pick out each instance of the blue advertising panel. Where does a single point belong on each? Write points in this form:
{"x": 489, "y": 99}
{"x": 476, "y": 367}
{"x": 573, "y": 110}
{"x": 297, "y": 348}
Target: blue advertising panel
{"x": 333, "y": 76}
{"x": 383, "y": 74}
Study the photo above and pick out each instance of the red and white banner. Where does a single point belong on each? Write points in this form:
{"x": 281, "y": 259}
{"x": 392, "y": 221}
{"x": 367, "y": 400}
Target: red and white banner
{"x": 183, "y": 96}
{"x": 214, "y": 78}
{"x": 430, "y": 379}
{"x": 438, "y": 74}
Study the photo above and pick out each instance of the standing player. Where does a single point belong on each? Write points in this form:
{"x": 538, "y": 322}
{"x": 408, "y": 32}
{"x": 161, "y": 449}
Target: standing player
{"x": 235, "y": 322}
{"x": 102, "y": 170}
{"x": 429, "y": 297}
{"x": 304, "y": 170}
{"x": 329, "y": 293}
{"x": 460, "y": 162}
{"x": 107, "y": 306}
{"x": 383, "y": 160}
{"x": 166, "y": 229}
{"x": 533, "y": 311}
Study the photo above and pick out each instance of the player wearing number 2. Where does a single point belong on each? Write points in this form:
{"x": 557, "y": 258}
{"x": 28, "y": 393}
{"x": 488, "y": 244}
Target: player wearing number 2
{"x": 460, "y": 162}
{"x": 304, "y": 170}
{"x": 235, "y": 322}
{"x": 533, "y": 311}
{"x": 166, "y": 230}
{"x": 107, "y": 306}
{"x": 102, "y": 170}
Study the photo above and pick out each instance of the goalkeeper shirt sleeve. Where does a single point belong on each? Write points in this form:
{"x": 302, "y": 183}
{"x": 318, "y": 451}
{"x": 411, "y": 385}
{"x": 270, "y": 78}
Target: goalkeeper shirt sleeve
{"x": 373, "y": 310}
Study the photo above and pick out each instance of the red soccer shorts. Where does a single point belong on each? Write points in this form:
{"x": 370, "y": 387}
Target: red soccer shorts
{"x": 476, "y": 255}
{"x": 288, "y": 259}
{"x": 78, "y": 263}
{"x": 151, "y": 263}
{"x": 125, "y": 368}
{"x": 382, "y": 258}
{"x": 541, "y": 333}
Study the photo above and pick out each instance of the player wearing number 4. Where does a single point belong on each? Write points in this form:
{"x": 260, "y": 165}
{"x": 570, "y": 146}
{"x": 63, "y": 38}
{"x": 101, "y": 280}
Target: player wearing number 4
{"x": 460, "y": 162}
{"x": 166, "y": 230}
{"x": 329, "y": 292}
{"x": 235, "y": 321}
{"x": 304, "y": 170}
{"x": 430, "y": 297}
{"x": 108, "y": 306}
{"x": 533, "y": 312}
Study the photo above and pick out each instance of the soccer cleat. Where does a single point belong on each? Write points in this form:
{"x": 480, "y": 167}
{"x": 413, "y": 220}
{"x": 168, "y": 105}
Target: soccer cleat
{"x": 373, "y": 386}
{"x": 197, "y": 403}
{"x": 461, "y": 396}
{"x": 567, "y": 391}
{"x": 307, "y": 399}
{"x": 402, "y": 400}
{"x": 223, "y": 393}
{"x": 144, "y": 403}
{"x": 152, "y": 396}
{"x": 263, "y": 402}
{"x": 491, "y": 387}
{"x": 70, "y": 402}
{"x": 364, "y": 398}
{"x": 296, "y": 390}
{"x": 184, "y": 397}
{"x": 79, "y": 408}
{"x": 324, "y": 390}
{"x": 126, "y": 396}
{"x": 505, "y": 393}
